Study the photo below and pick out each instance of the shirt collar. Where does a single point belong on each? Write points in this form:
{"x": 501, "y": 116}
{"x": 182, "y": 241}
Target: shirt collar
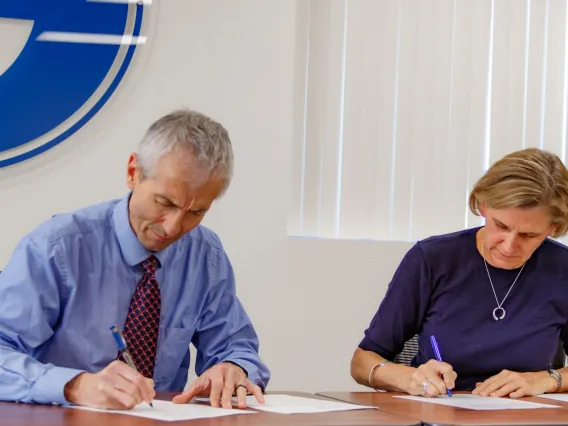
{"x": 132, "y": 249}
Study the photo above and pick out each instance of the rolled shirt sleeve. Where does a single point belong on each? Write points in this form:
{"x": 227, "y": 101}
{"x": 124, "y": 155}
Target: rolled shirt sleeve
{"x": 224, "y": 332}
{"x": 31, "y": 288}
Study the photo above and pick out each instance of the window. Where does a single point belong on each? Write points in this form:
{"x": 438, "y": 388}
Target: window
{"x": 403, "y": 104}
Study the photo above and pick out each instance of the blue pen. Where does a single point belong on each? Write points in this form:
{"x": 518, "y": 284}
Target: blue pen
{"x": 121, "y": 343}
{"x": 438, "y": 356}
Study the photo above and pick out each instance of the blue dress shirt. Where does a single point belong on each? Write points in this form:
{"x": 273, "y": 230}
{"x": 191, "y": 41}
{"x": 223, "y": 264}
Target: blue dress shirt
{"x": 74, "y": 276}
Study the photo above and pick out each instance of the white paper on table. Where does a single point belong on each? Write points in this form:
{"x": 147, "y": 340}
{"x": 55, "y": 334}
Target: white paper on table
{"x": 475, "y": 402}
{"x": 288, "y": 404}
{"x": 556, "y": 396}
{"x": 169, "y": 412}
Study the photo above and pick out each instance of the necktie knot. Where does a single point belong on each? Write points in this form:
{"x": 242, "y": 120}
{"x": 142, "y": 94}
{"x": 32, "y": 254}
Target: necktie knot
{"x": 149, "y": 265}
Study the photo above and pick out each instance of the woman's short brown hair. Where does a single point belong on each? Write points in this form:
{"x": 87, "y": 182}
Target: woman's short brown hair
{"x": 524, "y": 179}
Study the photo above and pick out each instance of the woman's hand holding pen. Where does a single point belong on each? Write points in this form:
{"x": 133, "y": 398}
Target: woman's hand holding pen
{"x": 430, "y": 379}
{"x": 117, "y": 386}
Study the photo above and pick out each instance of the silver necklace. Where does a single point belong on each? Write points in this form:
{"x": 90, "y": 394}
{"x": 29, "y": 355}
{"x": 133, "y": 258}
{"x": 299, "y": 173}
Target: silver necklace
{"x": 499, "y": 312}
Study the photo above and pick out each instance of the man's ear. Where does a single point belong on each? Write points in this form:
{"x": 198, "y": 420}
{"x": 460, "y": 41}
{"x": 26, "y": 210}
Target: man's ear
{"x": 132, "y": 172}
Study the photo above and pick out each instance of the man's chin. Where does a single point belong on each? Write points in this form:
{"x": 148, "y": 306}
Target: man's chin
{"x": 155, "y": 245}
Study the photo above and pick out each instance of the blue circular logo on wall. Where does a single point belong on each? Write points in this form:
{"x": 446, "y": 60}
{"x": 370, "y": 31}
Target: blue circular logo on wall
{"x": 75, "y": 56}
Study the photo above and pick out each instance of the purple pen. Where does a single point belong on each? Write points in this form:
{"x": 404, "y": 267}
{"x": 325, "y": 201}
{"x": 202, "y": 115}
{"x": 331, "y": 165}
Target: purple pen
{"x": 438, "y": 356}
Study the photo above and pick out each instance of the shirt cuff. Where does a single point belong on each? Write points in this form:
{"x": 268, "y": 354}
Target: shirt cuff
{"x": 49, "y": 388}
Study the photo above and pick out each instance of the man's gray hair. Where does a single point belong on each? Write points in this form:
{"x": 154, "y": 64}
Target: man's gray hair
{"x": 206, "y": 140}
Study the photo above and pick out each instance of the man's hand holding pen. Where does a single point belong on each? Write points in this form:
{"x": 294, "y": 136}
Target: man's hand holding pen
{"x": 117, "y": 386}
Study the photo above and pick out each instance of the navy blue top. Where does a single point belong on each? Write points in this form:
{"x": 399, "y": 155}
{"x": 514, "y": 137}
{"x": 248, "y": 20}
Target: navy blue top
{"x": 441, "y": 288}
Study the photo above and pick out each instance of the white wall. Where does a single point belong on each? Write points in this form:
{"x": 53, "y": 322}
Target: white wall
{"x": 309, "y": 299}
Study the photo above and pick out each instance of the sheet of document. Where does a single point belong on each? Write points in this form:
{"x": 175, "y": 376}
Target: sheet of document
{"x": 474, "y": 402}
{"x": 288, "y": 404}
{"x": 169, "y": 412}
{"x": 556, "y": 396}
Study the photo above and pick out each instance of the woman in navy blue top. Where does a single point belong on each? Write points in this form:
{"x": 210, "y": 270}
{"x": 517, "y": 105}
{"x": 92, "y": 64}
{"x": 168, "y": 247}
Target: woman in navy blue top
{"x": 495, "y": 297}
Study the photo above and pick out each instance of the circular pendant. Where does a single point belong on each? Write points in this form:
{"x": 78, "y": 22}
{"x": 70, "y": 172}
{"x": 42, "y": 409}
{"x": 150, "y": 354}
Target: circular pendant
{"x": 499, "y": 313}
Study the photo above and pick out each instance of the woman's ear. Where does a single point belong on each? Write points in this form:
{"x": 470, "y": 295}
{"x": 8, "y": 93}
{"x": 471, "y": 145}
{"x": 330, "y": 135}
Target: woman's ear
{"x": 482, "y": 209}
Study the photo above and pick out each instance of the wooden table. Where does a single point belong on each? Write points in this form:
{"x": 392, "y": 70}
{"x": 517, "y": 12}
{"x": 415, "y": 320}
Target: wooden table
{"x": 435, "y": 414}
{"x": 16, "y": 414}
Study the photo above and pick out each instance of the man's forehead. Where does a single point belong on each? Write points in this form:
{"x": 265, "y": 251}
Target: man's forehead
{"x": 186, "y": 194}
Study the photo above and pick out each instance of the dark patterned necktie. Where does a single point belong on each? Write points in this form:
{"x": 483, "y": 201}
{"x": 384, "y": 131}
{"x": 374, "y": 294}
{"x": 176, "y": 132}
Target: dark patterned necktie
{"x": 143, "y": 320}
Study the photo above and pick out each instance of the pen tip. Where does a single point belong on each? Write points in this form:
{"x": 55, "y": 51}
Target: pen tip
{"x": 151, "y": 405}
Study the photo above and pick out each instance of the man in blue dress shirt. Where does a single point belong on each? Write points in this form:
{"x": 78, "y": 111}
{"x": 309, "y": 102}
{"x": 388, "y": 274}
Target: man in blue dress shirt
{"x": 143, "y": 262}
